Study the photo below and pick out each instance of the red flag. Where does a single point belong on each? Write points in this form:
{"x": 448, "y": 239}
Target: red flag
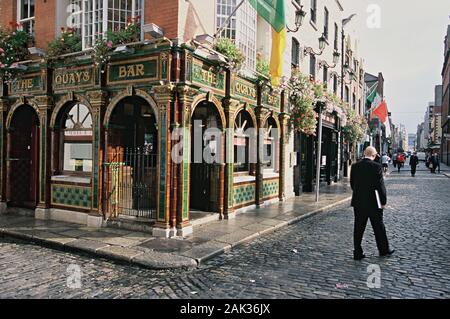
{"x": 381, "y": 112}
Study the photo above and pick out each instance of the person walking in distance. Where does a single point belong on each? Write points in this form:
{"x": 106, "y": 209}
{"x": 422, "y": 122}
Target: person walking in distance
{"x": 413, "y": 162}
{"x": 369, "y": 199}
{"x": 385, "y": 162}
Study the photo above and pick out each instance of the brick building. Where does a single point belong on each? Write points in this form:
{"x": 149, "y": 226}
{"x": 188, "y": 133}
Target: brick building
{"x": 445, "y": 112}
{"x": 93, "y": 142}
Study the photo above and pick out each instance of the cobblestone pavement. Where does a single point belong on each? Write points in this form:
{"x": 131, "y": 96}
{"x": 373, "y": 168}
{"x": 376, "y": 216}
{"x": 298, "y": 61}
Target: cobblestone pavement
{"x": 311, "y": 259}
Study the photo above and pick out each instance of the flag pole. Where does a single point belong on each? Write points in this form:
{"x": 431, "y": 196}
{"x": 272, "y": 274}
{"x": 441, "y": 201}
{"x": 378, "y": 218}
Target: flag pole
{"x": 227, "y": 21}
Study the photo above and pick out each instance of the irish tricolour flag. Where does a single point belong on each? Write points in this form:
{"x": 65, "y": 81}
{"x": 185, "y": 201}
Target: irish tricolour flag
{"x": 273, "y": 12}
{"x": 379, "y": 109}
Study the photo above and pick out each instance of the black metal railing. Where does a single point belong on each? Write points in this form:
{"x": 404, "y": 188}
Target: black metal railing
{"x": 131, "y": 183}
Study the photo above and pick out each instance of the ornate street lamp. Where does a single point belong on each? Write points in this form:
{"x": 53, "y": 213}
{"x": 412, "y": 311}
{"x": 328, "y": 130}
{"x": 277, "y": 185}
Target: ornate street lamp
{"x": 336, "y": 56}
{"x": 322, "y": 44}
{"x": 299, "y": 17}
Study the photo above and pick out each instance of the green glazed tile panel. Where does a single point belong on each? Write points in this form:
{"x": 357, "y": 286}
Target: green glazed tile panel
{"x": 71, "y": 196}
{"x": 244, "y": 194}
{"x": 270, "y": 188}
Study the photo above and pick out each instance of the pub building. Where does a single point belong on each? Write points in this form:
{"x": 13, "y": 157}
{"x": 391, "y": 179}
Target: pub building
{"x": 93, "y": 144}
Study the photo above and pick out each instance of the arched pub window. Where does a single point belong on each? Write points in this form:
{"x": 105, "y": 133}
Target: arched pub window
{"x": 76, "y": 140}
{"x": 271, "y": 147}
{"x": 242, "y": 140}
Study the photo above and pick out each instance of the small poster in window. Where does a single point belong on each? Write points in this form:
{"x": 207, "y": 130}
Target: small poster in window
{"x": 78, "y": 165}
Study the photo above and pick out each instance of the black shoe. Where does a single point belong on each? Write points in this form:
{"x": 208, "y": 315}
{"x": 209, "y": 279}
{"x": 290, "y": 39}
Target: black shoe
{"x": 389, "y": 253}
{"x": 359, "y": 257}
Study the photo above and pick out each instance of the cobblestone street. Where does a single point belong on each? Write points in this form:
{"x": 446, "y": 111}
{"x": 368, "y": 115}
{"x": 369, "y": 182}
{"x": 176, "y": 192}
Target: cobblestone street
{"x": 311, "y": 259}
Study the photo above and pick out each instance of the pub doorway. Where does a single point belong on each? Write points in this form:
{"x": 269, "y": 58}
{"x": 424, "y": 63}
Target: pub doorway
{"x": 206, "y": 153}
{"x": 131, "y": 167}
{"x": 23, "y": 158}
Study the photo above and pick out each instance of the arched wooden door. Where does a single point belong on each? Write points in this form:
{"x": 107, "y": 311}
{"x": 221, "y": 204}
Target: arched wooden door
{"x": 23, "y": 158}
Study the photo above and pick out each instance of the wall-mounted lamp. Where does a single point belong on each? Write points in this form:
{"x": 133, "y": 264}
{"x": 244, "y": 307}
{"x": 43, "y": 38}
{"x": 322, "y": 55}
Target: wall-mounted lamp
{"x": 17, "y": 66}
{"x": 36, "y": 51}
{"x": 322, "y": 44}
{"x": 336, "y": 56}
{"x": 153, "y": 30}
{"x": 299, "y": 17}
{"x": 124, "y": 49}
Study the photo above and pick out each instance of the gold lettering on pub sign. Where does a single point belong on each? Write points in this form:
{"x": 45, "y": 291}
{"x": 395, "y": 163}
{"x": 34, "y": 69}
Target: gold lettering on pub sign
{"x": 245, "y": 90}
{"x": 23, "y": 85}
{"x": 72, "y": 77}
{"x": 131, "y": 71}
{"x": 209, "y": 77}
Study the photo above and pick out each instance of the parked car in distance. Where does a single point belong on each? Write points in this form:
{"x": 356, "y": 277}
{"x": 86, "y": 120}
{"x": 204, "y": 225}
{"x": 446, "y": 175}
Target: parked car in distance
{"x": 422, "y": 156}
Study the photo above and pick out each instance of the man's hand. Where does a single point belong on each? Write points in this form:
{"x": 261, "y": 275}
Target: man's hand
{"x": 383, "y": 206}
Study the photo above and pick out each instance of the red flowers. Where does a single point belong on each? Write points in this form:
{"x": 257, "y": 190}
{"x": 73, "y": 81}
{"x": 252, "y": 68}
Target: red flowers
{"x": 15, "y": 25}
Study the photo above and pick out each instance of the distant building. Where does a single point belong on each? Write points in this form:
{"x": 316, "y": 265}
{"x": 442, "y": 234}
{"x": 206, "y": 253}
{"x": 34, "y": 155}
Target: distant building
{"x": 445, "y": 124}
{"x": 412, "y": 142}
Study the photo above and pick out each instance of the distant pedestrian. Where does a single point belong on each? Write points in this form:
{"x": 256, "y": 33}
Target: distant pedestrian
{"x": 413, "y": 162}
{"x": 434, "y": 163}
{"x": 385, "y": 159}
{"x": 369, "y": 199}
{"x": 400, "y": 161}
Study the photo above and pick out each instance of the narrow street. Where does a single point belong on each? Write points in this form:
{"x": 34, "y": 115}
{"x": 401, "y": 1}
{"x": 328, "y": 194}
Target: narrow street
{"x": 311, "y": 259}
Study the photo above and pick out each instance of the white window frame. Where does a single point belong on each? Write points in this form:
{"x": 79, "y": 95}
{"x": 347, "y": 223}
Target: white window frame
{"x": 244, "y": 24}
{"x": 89, "y": 30}
{"x": 30, "y": 19}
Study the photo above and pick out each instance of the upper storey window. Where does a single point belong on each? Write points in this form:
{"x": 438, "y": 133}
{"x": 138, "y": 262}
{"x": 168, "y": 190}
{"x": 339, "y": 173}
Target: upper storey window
{"x": 25, "y": 15}
{"x": 241, "y": 28}
{"x": 94, "y": 17}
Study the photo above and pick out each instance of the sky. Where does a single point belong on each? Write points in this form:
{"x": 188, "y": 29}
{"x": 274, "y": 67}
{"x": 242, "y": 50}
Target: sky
{"x": 407, "y": 47}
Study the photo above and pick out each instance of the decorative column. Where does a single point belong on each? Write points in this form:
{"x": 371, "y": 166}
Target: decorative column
{"x": 185, "y": 100}
{"x": 230, "y": 107}
{"x": 283, "y": 123}
{"x": 260, "y": 144}
{"x": 164, "y": 97}
{"x": 44, "y": 104}
{"x": 3, "y": 108}
{"x": 98, "y": 102}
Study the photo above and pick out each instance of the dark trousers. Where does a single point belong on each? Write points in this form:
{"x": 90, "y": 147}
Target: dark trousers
{"x": 413, "y": 170}
{"x": 376, "y": 219}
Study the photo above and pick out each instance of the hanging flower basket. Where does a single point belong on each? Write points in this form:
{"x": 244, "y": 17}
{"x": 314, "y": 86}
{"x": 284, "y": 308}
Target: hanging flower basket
{"x": 14, "y": 45}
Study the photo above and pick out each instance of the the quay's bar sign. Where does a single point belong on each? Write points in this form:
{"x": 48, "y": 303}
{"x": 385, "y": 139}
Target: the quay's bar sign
{"x": 245, "y": 89}
{"x": 64, "y": 79}
{"x": 27, "y": 84}
{"x": 271, "y": 100}
{"x": 138, "y": 70}
{"x": 205, "y": 76}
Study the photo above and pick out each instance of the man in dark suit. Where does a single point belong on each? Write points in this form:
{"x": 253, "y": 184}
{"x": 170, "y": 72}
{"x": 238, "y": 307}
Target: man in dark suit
{"x": 367, "y": 177}
{"x": 413, "y": 162}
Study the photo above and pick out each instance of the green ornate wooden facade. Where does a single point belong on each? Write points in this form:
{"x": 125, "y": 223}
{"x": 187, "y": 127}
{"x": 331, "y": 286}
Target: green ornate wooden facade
{"x": 173, "y": 81}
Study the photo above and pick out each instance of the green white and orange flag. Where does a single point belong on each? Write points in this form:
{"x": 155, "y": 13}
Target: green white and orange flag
{"x": 273, "y": 12}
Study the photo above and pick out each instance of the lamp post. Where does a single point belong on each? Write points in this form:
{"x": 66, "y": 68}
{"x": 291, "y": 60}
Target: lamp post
{"x": 344, "y": 22}
{"x": 320, "y": 106}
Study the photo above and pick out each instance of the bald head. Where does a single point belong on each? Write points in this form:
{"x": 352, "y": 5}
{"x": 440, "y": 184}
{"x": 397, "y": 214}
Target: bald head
{"x": 370, "y": 152}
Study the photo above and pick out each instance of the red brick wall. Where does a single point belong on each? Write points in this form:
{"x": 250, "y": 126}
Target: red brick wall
{"x": 8, "y": 12}
{"x": 164, "y": 14}
{"x": 45, "y": 22}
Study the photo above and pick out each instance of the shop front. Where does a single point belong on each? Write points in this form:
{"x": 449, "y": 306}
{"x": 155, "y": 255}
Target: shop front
{"x": 154, "y": 138}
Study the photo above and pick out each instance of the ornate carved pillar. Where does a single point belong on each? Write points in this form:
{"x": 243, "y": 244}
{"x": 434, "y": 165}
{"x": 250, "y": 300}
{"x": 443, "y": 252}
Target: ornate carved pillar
{"x": 230, "y": 107}
{"x": 98, "y": 101}
{"x": 3, "y": 109}
{"x": 283, "y": 118}
{"x": 260, "y": 113}
{"x": 164, "y": 97}
{"x": 45, "y": 104}
{"x": 186, "y": 96}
